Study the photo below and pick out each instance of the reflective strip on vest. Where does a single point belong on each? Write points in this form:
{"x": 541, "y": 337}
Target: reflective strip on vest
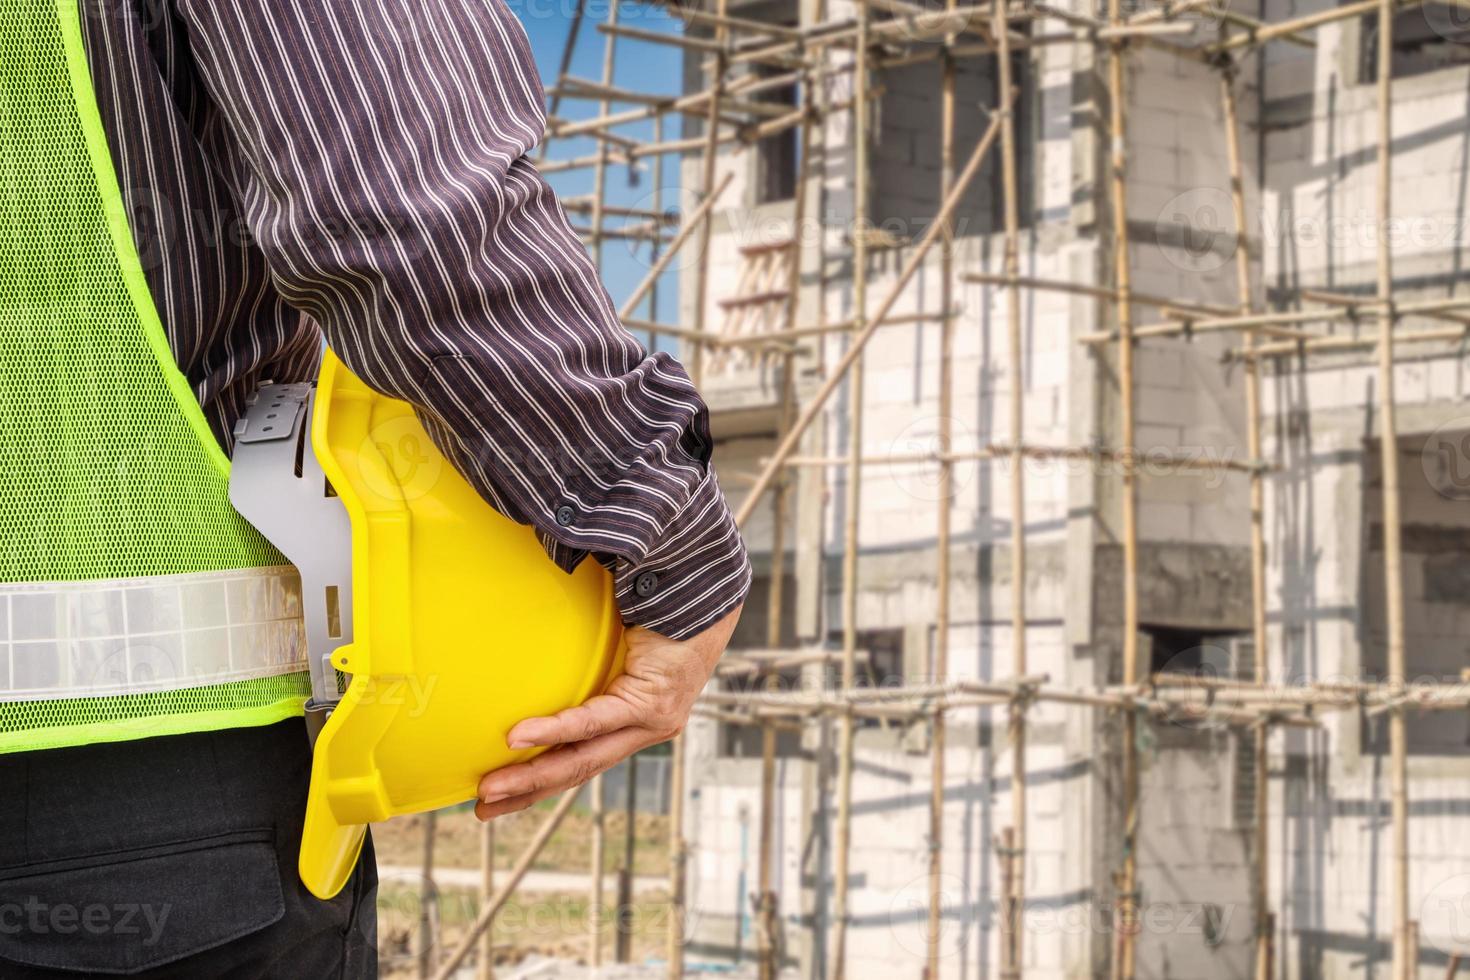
{"x": 62, "y": 640}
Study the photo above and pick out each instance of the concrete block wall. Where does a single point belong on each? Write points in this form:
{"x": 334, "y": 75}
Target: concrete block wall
{"x": 1183, "y": 240}
{"x": 1196, "y": 916}
{"x": 1320, "y": 152}
{"x": 888, "y": 898}
{"x": 725, "y": 865}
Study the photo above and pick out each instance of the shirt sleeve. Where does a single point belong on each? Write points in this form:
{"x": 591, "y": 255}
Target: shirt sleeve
{"x": 382, "y": 168}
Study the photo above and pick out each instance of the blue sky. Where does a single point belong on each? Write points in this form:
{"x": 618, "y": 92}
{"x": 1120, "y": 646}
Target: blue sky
{"x": 639, "y": 65}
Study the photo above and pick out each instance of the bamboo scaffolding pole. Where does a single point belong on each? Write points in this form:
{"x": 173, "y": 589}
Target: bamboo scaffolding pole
{"x": 930, "y": 24}
{"x": 485, "y": 968}
{"x": 739, "y": 666}
{"x": 708, "y": 164}
{"x": 819, "y": 398}
{"x": 678, "y": 860}
{"x": 693, "y": 16}
{"x": 1168, "y": 11}
{"x": 901, "y": 9}
{"x": 428, "y": 897}
{"x": 817, "y": 330}
{"x": 842, "y": 847}
{"x": 1346, "y": 299}
{"x": 1100, "y": 292}
{"x": 1127, "y": 905}
{"x": 488, "y": 910}
{"x": 1158, "y": 462}
{"x": 655, "y": 253}
{"x": 678, "y": 844}
{"x": 1296, "y": 25}
{"x": 1208, "y": 9}
{"x": 1245, "y": 697}
{"x": 735, "y": 109}
{"x": 693, "y": 104}
{"x": 669, "y": 330}
{"x": 625, "y": 913}
{"x": 736, "y": 718}
{"x": 697, "y": 220}
{"x": 632, "y": 233}
{"x": 1013, "y": 946}
{"x": 767, "y": 909}
{"x": 1313, "y": 694}
{"x": 939, "y": 671}
{"x": 717, "y": 47}
{"x": 577, "y": 163}
{"x": 1326, "y": 345}
{"x": 586, "y": 205}
{"x": 1260, "y": 868}
{"x": 1258, "y": 321}
{"x": 852, "y": 696}
{"x": 1392, "y": 506}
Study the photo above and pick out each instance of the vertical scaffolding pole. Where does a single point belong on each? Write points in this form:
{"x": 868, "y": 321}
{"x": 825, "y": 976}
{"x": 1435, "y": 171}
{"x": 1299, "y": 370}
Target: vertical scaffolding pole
{"x": 1392, "y": 512}
{"x": 623, "y": 941}
{"x": 843, "y": 856}
{"x": 939, "y": 668}
{"x": 1260, "y": 871}
{"x": 656, "y": 242}
{"x": 678, "y": 859}
{"x": 767, "y": 909}
{"x": 678, "y": 845}
{"x": 594, "y": 789}
{"x": 1013, "y": 957}
{"x": 1128, "y": 876}
{"x": 486, "y": 968}
{"x": 720, "y": 63}
{"x": 428, "y": 897}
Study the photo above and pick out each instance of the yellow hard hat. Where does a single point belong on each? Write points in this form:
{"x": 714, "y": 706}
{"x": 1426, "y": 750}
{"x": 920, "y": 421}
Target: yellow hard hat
{"x": 461, "y": 626}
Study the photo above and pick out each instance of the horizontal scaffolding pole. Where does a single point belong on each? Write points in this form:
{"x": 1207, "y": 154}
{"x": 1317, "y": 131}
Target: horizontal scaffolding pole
{"x": 1264, "y": 321}
{"x": 1245, "y": 702}
{"x": 1098, "y": 292}
{"x": 1143, "y": 459}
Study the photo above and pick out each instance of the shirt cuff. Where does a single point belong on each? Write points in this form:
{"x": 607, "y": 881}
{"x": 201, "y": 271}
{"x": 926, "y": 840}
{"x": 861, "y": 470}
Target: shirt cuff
{"x": 696, "y": 574}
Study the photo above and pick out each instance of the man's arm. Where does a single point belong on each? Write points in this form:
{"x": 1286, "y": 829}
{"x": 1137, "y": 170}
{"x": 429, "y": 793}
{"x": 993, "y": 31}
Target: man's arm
{"x": 379, "y": 152}
{"x": 381, "y": 163}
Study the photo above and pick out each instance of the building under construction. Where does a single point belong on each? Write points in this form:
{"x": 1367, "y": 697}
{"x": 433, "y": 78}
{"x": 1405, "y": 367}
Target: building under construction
{"x": 1052, "y": 352}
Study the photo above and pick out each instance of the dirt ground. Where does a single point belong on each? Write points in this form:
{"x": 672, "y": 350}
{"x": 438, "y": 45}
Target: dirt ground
{"x": 457, "y": 840}
{"x": 550, "y": 930}
{"x": 553, "y": 927}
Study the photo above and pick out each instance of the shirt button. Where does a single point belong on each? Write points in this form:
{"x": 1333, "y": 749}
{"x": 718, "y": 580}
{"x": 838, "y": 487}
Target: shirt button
{"x": 565, "y": 515}
{"x": 646, "y": 585}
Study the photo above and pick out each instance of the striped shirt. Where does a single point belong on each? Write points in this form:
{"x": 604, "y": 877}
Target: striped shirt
{"x": 359, "y": 169}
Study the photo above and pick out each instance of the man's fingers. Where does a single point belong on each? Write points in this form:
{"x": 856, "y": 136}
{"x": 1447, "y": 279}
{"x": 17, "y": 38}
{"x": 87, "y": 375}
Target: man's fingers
{"x": 597, "y": 716}
{"x": 489, "y": 811}
{"x": 561, "y": 768}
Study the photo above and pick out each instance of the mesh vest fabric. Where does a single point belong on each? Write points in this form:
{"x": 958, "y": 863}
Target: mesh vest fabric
{"x": 107, "y": 467}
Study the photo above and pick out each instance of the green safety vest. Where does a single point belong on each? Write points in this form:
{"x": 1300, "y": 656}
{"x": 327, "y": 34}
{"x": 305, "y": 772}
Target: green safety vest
{"x": 134, "y": 600}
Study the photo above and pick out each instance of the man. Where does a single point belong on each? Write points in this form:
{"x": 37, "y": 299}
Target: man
{"x": 286, "y": 171}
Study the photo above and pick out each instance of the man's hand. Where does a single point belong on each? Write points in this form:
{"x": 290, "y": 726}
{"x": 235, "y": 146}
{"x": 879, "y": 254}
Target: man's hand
{"x": 648, "y": 703}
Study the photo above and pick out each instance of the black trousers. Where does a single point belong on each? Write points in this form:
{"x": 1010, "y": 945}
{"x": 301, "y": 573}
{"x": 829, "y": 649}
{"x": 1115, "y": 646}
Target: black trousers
{"x": 171, "y": 857}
